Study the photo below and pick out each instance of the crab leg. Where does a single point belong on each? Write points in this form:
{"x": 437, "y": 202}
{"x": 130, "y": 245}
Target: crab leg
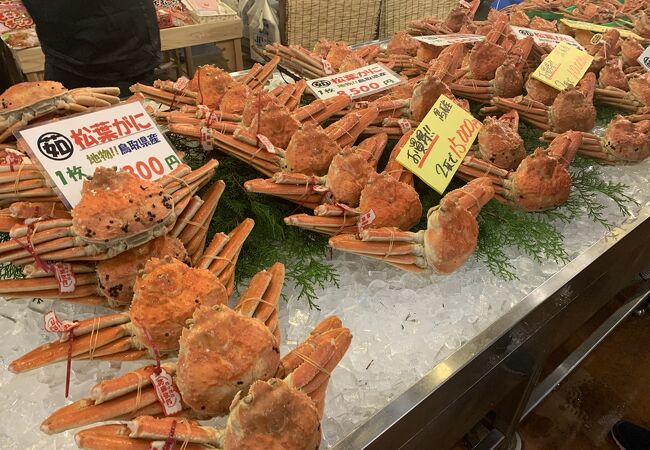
{"x": 324, "y": 224}
{"x": 204, "y": 212}
{"x": 400, "y": 249}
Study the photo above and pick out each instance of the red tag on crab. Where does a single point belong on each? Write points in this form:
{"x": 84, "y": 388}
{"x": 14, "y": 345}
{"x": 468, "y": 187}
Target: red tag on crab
{"x": 361, "y": 105}
{"x": 167, "y": 393}
{"x": 266, "y": 143}
{"x": 404, "y": 125}
{"x": 327, "y": 67}
{"x": 181, "y": 84}
{"x": 65, "y": 276}
{"x": 206, "y": 139}
{"x": 365, "y": 220}
{"x": 54, "y": 325}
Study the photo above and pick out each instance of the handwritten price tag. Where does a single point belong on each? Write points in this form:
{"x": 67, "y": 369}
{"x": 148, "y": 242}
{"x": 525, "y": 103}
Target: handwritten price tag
{"x": 644, "y": 59}
{"x": 576, "y": 24}
{"x": 166, "y": 392}
{"x": 443, "y": 40}
{"x": 71, "y": 149}
{"x": 544, "y": 37}
{"x": 563, "y": 67}
{"x": 356, "y": 83}
{"x": 439, "y": 144}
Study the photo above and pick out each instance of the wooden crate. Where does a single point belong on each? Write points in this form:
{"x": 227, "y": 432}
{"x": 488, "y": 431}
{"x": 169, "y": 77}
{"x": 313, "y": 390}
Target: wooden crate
{"x": 396, "y": 14}
{"x": 305, "y": 21}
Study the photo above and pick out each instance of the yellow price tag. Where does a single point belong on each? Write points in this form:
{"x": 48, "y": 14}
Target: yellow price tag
{"x": 598, "y": 28}
{"x": 563, "y": 67}
{"x": 439, "y": 144}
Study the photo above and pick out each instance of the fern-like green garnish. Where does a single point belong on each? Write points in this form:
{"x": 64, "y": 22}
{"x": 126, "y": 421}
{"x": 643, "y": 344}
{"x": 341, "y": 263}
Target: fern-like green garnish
{"x": 302, "y": 252}
{"x": 501, "y": 227}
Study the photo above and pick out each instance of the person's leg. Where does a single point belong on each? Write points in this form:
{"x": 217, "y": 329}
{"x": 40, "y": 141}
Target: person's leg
{"x": 629, "y": 436}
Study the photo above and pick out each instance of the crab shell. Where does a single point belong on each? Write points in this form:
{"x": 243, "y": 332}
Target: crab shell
{"x": 24, "y": 94}
{"x": 310, "y": 151}
{"x": 626, "y": 140}
{"x": 508, "y": 80}
{"x": 540, "y": 169}
{"x": 337, "y": 53}
{"x": 252, "y": 107}
{"x": 210, "y": 83}
{"x": 452, "y": 232}
{"x": 631, "y": 49}
{"x": 352, "y": 62}
{"x": 221, "y": 353}
{"x": 484, "y": 59}
{"x": 273, "y": 416}
{"x": 425, "y": 94}
{"x": 403, "y": 43}
{"x": 275, "y": 122}
{"x": 541, "y": 92}
{"x": 571, "y": 110}
{"x": 116, "y": 276}
{"x": 640, "y": 88}
{"x": 120, "y": 209}
{"x": 613, "y": 75}
{"x": 500, "y": 144}
{"x": 166, "y": 294}
{"x": 235, "y": 98}
{"x": 348, "y": 174}
{"x": 394, "y": 203}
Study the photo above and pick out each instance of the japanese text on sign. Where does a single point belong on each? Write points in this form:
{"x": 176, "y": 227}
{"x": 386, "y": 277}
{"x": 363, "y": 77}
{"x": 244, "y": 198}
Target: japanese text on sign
{"x": 443, "y": 40}
{"x": 545, "y": 37}
{"x": 563, "y": 67}
{"x": 644, "y": 59}
{"x": 123, "y": 136}
{"x": 598, "y": 28}
{"x": 439, "y": 144}
{"x": 356, "y": 83}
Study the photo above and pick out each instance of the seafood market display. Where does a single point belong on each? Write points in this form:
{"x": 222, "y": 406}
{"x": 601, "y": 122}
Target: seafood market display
{"x": 163, "y": 341}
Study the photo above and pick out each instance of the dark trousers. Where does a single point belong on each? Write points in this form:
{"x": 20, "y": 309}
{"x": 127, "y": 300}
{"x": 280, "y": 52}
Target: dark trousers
{"x": 72, "y": 80}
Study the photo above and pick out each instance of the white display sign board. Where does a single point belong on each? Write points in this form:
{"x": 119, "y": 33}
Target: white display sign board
{"x": 356, "y": 83}
{"x": 443, "y": 40}
{"x": 644, "y": 59}
{"x": 544, "y": 37}
{"x": 122, "y": 136}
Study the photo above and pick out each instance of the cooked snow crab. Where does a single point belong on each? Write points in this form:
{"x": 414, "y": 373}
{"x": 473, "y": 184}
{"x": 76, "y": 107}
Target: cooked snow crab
{"x": 450, "y": 237}
{"x": 117, "y": 211}
{"x": 208, "y": 373}
{"x": 24, "y": 102}
{"x": 308, "y": 148}
{"x": 499, "y": 141}
{"x": 22, "y": 181}
{"x": 166, "y": 294}
{"x": 636, "y": 101}
{"x": 454, "y": 21}
{"x": 572, "y": 109}
{"x": 386, "y": 199}
{"x": 623, "y": 142}
{"x": 210, "y": 86}
{"x": 542, "y": 180}
{"x": 327, "y": 58}
{"x": 346, "y": 176}
{"x": 110, "y": 282}
{"x": 282, "y": 413}
{"x": 501, "y": 75}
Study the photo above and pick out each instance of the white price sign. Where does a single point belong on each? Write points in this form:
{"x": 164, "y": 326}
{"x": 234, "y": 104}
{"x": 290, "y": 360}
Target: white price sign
{"x": 356, "y": 83}
{"x": 545, "y": 38}
{"x": 122, "y": 136}
{"x": 644, "y": 59}
{"x": 443, "y": 40}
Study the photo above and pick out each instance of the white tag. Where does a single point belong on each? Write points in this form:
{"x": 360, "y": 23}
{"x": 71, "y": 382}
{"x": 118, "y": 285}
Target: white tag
{"x": 443, "y": 40}
{"x": 404, "y": 125}
{"x": 357, "y": 83}
{"x": 202, "y": 111}
{"x": 361, "y": 105}
{"x": 545, "y": 37}
{"x": 206, "y": 139}
{"x": 166, "y": 392}
{"x": 365, "y": 220}
{"x": 327, "y": 67}
{"x": 65, "y": 276}
{"x": 268, "y": 145}
{"x": 54, "y": 325}
{"x": 644, "y": 59}
{"x": 181, "y": 84}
